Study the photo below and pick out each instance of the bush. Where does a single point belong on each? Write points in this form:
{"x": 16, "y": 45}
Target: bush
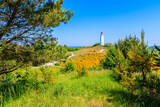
{"x": 110, "y": 62}
{"x": 57, "y": 64}
{"x": 98, "y": 67}
{"x": 24, "y": 80}
{"x": 108, "y": 45}
{"x": 96, "y": 44}
{"x": 69, "y": 67}
{"x": 82, "y": 71}
{"x": 71, "y": 49}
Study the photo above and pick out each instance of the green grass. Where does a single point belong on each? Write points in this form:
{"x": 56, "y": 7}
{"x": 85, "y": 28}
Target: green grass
{"x": 98, "y": 89}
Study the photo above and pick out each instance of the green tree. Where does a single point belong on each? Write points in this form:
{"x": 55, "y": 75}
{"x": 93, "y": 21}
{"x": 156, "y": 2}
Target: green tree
{"x": 110, "y": 60}
{"x": 27, "y": 22}
{"x": 157, "y": 55}
{"x": 141, "y": 59}
{"x": 141, "y": 62}
{"x": 121, "y": 62}
{"x": 14, "y": 56}
{"x": 127, "y": 44}
{"x": 30, "y": 19}
{"x": 108, "y": 45}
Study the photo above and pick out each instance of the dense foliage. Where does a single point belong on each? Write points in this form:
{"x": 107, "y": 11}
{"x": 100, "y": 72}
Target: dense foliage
{"x": 134, "y": 65}
{"x": 89, "y": 61}
{"x": 69, "y": 67}
{"x": 83, "y": 63}
{"x": 24, "y": 20}
{"x": 26, "y": 32}
{"x": 108, "y": 45}
{"x": 71, "y": 49}
{"x": 15, "y": 84}
{"x": 14, "y": 56}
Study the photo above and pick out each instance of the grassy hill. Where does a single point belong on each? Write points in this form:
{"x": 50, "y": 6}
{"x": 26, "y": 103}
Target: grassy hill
{"x": 85, "y": 50}
{"x": 97, "y": 90}
{"x": 50, "y": 87}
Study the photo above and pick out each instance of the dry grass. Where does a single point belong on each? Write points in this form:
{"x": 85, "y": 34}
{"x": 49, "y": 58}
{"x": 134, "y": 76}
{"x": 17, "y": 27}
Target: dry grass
{"x": 90, "y": 50}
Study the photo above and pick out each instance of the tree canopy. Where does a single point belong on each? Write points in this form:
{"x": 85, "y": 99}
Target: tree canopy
{"x": 25, "y": 32}
{"x": 27, "y": 20}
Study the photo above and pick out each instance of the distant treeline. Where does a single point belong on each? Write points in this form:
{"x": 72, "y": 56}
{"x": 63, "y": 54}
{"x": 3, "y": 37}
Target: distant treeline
{"x": 71, "y": 49}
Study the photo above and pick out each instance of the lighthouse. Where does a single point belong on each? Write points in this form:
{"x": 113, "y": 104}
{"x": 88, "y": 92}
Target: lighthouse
{"x": 102, "y": 39}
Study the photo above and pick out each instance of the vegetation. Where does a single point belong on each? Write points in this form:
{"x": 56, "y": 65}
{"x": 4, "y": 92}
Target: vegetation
{"x": 23, "y": 81}
{"x": 27, "y": 20}
{"x": 108, "y": 45}
{"x": 80, "y": 80}
{"x": 98, "y": 89}
{"x": 86, "y": 50}
{"x": 110, "y": 59}
{"x": 49, "y": 86}
{"x": 29, "y": 23}
{"x": 69, "y": 67}
{"x": 57, "y": 64}
{"x": 14, "y": 56}
{"x": 96, "y": 44}
{"x": 133, "y": 65}
{"x": 89, "y": 61}
{"x": 71, "y": 49}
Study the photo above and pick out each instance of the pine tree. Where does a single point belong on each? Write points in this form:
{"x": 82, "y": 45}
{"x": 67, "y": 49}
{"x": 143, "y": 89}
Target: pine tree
{"x": 29, "y": 22}
{"x": 29, "y": 19}
{"x": 141, "y": 60}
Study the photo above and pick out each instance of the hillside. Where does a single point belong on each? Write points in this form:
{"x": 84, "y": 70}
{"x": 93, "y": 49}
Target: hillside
{"x": 99, "y": 89}
{"x": 80, "y": 81}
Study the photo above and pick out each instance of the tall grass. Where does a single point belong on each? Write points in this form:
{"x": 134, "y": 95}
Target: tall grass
{"x": 25, "y": 81}
{"x": 97, "y": 89}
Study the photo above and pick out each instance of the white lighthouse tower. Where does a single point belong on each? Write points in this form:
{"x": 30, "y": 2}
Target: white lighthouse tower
{"x": 102, "y": 39}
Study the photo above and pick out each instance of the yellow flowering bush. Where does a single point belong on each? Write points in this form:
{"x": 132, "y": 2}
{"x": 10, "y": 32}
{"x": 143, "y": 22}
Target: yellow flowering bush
{"x": 128, "y": 82}
{"x": 158, "y": 72}
{"x": 89, "y": 60}
{"x": 85, "y": 62}
{"x": 156, "y": 68}
{"x": 81, "y": 70}
{"x": 62, "y": 63}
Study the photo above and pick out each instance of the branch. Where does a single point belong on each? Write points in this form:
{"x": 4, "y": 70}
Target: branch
{"x": 15, "y": 37}
{"x": 157, "y": 47}
{"x": 11, "y": 70}
{"x": 4, "y": 13}
{"x": 5, "y": 28}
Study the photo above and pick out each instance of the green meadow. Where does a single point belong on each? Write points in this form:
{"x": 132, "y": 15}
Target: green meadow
{"x": 70, "y": 90}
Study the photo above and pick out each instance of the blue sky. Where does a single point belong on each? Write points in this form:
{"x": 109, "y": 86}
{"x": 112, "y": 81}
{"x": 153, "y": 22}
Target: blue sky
{"x": 116, "y": 18}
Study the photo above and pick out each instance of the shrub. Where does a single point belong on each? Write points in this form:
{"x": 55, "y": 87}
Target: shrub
{"x": 71, "y": 49}
{"x": 108, "y": 45}
{"x": 127, "y": 44}
{"x": 110, "y": 60}
{"x": 82, "y": 71}
{"x": 57, "y": 64}
{"x": 141, "y": 62}
{"x": 98, "y": 67}
{"x": 146, "y": 91}
{"x": 96, "y": 44}
{"x": 88, "y": 60}
{"x": 69, "y": 67}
